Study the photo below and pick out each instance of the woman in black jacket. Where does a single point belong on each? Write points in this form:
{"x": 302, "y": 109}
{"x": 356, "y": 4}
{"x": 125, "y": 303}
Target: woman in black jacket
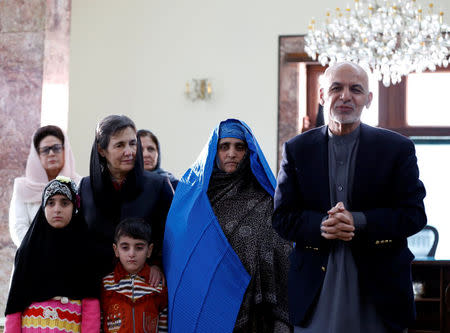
{"x": 117, "y": 188}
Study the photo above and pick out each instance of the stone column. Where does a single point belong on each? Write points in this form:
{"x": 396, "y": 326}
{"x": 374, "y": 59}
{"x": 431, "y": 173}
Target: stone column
{"x": 34, "y": 48}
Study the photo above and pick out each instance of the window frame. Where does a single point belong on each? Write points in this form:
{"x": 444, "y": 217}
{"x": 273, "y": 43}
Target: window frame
{"x": 393, "y": 110}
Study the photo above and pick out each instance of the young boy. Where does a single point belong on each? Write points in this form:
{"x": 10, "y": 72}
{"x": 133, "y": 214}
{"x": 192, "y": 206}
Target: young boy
{"x": 129, "y": 302}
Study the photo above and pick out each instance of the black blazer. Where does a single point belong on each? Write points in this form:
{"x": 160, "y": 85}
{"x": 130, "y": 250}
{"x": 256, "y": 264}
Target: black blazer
{"x": 150, "y": 200}
{"x": 386, "y": 188}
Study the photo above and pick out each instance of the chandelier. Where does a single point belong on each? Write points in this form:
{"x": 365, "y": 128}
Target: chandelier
{"x": 391, "y": 38}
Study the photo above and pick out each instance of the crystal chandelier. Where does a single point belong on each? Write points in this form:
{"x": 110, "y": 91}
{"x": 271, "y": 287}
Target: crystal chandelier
{"x": 392, "y": 38}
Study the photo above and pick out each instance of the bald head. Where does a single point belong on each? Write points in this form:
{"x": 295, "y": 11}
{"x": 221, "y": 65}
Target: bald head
{"x": 345, "y": 66}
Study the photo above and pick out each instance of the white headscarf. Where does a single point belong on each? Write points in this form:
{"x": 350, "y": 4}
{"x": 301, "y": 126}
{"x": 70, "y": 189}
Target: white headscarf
{"x": 30, "y": 187}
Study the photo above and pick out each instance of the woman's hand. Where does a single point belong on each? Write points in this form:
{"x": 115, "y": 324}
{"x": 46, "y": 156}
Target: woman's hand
{"x": 156, "y": 276}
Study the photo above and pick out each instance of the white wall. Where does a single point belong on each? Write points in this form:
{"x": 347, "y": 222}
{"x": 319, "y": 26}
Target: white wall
{"x": 134, "y": 57}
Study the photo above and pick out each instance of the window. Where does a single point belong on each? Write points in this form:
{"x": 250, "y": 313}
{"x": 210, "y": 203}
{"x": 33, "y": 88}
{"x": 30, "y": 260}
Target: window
{"x": 425, "y": 99}
{"x": 433, "y": 158}
{"x": 402, "y": 107}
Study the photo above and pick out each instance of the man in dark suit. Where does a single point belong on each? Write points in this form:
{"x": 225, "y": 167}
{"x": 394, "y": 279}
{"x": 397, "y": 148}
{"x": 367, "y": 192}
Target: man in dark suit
{"x": 349, "y": 195}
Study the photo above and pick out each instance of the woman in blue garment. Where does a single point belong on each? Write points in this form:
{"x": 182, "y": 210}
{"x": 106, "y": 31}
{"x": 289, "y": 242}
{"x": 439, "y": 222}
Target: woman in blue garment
{"x": 226, "y": 267}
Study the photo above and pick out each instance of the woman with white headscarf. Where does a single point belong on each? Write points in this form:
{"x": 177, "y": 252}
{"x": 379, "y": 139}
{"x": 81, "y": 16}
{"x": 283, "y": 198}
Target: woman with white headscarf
{"x": 50, "y": 155}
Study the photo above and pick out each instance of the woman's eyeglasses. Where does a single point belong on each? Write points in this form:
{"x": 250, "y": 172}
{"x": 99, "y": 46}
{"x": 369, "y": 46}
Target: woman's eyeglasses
{"x": 57, "y": 148}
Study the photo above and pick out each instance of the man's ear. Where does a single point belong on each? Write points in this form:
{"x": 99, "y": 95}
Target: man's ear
{"x": 321, "y": 99}
{"x": 116, "y": 250}
{"x": 369, "y": 100}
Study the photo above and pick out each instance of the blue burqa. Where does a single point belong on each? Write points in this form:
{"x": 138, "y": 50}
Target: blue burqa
{"x": 205, "y": 277}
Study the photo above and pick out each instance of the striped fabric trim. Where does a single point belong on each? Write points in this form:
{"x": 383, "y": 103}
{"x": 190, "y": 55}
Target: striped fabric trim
{"x": 125, "y": 286}
{"x": 162, "y": 323}
{"x": 53, "y": 315}
{"x": 29, "y": 324}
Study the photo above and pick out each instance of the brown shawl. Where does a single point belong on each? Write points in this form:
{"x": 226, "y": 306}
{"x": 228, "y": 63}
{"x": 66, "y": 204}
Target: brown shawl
{"x": 244, "y": 211}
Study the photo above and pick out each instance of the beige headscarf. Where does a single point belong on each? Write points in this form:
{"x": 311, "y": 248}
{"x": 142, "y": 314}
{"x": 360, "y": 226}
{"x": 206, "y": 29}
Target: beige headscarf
{"x": 30, "y": 187}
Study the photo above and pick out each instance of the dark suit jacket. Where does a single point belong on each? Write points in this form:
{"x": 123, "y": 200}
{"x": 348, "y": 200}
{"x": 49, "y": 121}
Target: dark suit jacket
{"x": 151, "y": 203}
{"x": 386, "y": 188}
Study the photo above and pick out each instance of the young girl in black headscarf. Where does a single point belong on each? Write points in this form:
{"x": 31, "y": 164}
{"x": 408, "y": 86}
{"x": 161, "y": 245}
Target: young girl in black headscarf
{"x": 51, "y": 286}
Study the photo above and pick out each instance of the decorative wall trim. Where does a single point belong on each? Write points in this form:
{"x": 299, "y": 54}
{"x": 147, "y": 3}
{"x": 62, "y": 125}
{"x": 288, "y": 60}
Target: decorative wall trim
{"x": 290, "y": 53}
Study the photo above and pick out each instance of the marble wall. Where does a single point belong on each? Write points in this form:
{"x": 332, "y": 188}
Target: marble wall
{"x": 288, "y": 90}
{"x": 31, "y": 35}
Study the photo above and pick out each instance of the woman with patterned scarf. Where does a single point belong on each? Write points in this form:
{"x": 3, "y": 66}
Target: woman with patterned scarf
{"x": 52, "y": 288}
{"x": 226, "y": 267}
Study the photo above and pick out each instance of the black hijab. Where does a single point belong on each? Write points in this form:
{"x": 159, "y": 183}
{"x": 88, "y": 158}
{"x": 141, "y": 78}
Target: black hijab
{"x": 105, "y": 195}
{"x": 51, "y": 261}
{"x": 158, "y": 170}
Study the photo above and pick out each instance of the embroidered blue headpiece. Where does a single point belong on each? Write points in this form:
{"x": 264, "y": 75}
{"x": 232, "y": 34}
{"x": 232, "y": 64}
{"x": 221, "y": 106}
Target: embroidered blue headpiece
{"x": 232, "y": 130}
